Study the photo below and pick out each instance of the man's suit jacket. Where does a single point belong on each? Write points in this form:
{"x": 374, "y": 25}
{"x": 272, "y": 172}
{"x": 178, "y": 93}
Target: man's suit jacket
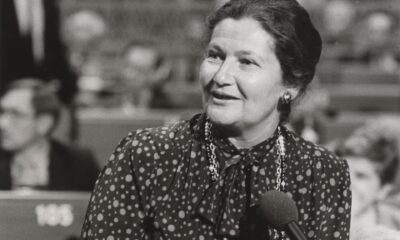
{"x": 17, "y": 58}
{"x": 71, "y": 169}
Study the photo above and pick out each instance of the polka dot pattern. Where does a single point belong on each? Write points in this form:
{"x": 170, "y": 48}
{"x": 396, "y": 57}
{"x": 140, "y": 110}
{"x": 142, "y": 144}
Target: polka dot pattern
{"x": 157, "y": 186}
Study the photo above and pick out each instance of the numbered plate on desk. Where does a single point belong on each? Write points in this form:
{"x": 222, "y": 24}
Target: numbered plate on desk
{"x": 42, "y": 214}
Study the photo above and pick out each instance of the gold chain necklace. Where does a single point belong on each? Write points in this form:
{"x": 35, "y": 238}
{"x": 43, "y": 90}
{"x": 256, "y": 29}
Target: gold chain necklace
{"x": 213, "y": 166}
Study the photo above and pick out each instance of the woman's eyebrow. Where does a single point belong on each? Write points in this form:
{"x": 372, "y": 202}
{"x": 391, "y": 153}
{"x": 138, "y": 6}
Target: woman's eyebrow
{"x": 251, "y": 53}
{"x": 214, "y": 46}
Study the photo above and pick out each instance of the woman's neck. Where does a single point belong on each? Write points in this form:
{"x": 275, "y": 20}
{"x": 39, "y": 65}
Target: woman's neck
{"x": 248, "y": 139}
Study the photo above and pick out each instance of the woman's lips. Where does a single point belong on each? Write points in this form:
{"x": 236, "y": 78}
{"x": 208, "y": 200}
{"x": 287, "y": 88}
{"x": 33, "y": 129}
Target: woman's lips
{"x": 223, "y": 96}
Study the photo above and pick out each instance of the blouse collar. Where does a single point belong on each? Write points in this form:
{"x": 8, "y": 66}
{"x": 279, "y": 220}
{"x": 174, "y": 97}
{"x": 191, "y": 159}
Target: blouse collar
{"x": 242, "y": 175}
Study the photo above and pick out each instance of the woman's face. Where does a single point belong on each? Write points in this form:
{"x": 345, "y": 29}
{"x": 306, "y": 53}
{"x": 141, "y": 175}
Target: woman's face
{"x": 365, "y": 183}
{"x": 241, "y": 76}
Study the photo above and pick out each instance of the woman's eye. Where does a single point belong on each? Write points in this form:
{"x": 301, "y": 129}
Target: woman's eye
{"x": 246, "y": 61}
{"x": 212, "y": 55}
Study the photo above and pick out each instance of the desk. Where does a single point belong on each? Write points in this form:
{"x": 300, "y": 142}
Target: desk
{"x": 38, "y": 215}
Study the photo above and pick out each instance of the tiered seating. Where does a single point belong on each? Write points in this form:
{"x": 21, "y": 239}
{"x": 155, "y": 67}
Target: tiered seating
{"x": 358, "y": 88}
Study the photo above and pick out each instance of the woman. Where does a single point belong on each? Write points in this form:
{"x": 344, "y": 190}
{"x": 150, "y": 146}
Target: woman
{"x": 372, "y": 152}
{"x": 203, "y": 178}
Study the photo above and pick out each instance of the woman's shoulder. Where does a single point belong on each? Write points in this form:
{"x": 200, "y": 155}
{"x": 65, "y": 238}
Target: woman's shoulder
{"x": 178, "y": 132}
{"x": 317, "y": 155}
{"x": 326, "y": 171}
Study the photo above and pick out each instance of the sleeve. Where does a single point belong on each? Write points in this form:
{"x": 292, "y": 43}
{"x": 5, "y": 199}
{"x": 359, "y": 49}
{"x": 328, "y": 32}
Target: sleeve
{"x": 117, "y": 206}
{"x": 335, "y": 223}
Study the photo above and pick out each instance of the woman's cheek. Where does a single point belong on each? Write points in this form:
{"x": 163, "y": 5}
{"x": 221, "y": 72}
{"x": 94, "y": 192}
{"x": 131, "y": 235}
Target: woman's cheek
{"x": 206, "y": 73}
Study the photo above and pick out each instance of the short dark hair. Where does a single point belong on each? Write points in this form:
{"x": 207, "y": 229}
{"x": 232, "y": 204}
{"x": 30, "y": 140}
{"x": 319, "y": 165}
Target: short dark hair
{"x": 298, "y": 44}
{"x": 44, "y": 97}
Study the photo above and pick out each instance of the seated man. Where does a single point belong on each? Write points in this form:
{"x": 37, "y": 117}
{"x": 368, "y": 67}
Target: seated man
{"x": 143, "y": 76}
{"x": 29, "y": 157}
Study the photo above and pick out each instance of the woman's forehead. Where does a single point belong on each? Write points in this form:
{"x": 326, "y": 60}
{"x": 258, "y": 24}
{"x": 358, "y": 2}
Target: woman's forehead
{"x": 246, "y": 32}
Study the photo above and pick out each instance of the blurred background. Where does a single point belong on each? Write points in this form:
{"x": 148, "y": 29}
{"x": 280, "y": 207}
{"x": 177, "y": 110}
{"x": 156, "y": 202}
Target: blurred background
{"x": 135, "y": 64}
{"x": 358, "y": 74}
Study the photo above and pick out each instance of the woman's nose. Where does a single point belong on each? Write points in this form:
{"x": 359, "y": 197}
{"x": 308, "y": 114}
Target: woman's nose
{"x": 224, "y": 74}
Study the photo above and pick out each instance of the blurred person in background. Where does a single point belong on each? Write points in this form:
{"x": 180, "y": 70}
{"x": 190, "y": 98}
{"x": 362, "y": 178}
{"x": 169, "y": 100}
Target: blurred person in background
{"x": 29, "y": 156}
{"x": 337, "y": 19}
{"x": 84, "y": 31}
{"x": 338, "y": 15}
{"x": 375, "y": 41}
{"x": 307, "y": 119}
{"x": 372, "y": 152}
{"x": 31, "y": 46}
{"x": 144, "y": 73}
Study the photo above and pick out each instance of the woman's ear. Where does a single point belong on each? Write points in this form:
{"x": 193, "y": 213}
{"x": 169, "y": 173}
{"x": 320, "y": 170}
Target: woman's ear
{"x": 294, "y": 92}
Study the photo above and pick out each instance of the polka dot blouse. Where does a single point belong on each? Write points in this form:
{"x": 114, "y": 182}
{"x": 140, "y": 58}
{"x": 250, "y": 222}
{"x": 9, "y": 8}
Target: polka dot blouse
{"x": 156, "y": 185}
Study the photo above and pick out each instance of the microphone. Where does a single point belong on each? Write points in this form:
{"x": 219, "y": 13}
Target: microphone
{"x": 279, "y": 211}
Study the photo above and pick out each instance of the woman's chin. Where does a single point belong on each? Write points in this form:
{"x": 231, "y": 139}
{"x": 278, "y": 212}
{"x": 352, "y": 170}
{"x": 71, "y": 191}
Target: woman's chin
{"x": 219, "y": 116}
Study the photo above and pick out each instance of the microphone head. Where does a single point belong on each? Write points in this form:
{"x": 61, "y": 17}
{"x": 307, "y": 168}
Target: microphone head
{"x": 278, "y": 209}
